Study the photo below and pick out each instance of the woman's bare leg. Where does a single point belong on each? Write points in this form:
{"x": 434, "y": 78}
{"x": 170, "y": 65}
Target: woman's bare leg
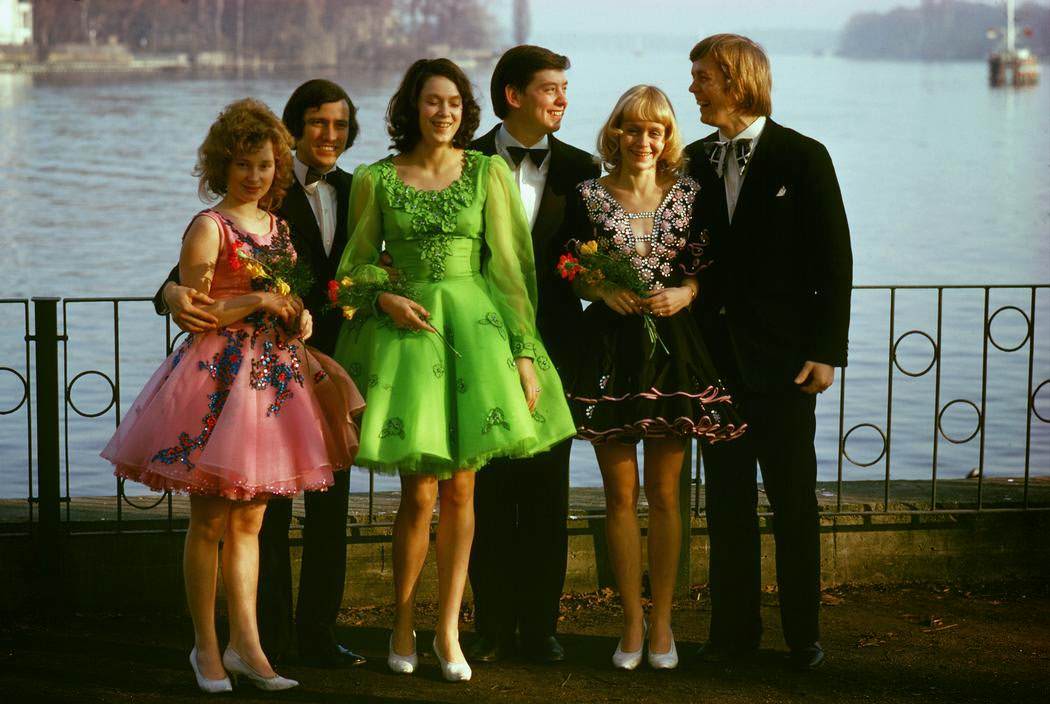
{"x": 411, "y": 541}
{"x": 455, "y": 534}
{"x": 240, "y": 574}
{"x": 200, "y": 569}
{"x": 619, "y": 466}
{"x": 663, "y": 466}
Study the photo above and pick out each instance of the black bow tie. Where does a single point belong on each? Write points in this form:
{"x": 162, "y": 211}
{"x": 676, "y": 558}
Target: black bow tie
{"x": 518, "y": 153}
{"x": 313, "y": 175}
{"x": 717, "y": 151}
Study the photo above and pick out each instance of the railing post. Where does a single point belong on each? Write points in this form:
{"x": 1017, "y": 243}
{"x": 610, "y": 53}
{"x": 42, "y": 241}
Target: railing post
{"x": 45, "y": 315}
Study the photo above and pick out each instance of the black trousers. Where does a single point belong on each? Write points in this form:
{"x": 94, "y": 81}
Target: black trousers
{"x": 521, "y": 544}
{"x": 780, "y": 440}
{"x": 321, "y": 576}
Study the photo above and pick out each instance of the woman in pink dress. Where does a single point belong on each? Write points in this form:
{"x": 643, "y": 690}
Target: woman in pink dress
{"x": 244, "y": 412}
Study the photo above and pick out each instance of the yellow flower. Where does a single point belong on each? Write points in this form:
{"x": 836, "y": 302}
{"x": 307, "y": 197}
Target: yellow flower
{"x": 346, "y": 282}
{"x": 283, "y": 289}
{"x": 589, "y": 247}
{"x": 348, "y": 312}
{"x": 254, "y": 269}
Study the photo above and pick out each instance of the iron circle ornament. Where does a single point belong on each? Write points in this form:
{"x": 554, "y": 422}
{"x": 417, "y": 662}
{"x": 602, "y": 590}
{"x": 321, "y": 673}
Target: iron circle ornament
{"x": 25, "y": 391}
{"x": 1034, "y": 394}
{"x": 845, "y": 439}
{"x": 971, "y": 436}
{"x": 935, "y": 353}
{"x": 175, "y": 341}
{"x": 126, "y": 499}
{"x": 1027, "y": 334}
{"x": 91, "y": 372}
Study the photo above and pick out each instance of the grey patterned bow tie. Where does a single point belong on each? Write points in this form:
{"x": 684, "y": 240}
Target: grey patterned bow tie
{"x": 717, "y": 152}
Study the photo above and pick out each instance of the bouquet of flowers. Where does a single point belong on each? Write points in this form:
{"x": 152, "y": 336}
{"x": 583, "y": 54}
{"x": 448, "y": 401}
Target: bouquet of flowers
{"x": 276, "y": 271}
{"x": 598, "y": 265}
{"x": 349, "y": 295}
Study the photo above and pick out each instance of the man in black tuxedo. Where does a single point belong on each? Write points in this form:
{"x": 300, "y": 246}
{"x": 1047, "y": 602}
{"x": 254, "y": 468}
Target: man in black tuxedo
{"x": 322, "y": 120}
{"x": 774, "y": 308}
{"x": 518, "y": 560}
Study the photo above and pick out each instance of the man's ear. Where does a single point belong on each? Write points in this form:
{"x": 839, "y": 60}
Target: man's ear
{"x": 512, "y": 95}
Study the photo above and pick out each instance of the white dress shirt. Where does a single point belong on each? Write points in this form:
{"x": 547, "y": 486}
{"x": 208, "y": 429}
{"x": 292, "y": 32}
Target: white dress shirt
{"x": 530, "y": 178}
{"x": 733, "y": 178}
{"x": 322, "y": 198}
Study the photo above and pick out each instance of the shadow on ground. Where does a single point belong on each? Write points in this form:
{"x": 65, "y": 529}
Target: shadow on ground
{"x": 917, "y": 643}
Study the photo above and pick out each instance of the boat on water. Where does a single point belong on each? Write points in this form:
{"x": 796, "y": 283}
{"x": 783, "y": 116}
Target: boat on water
{"x": 1011, "y": 66}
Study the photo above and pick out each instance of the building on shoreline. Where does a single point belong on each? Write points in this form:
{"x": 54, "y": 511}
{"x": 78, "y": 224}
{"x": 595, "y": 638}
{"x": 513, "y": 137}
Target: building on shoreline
{"x": 16, "y": 23}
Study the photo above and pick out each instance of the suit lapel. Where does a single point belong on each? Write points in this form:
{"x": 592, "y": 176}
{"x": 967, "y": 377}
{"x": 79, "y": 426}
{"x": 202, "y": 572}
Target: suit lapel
{"x": 715, "y": 200}
{"x": 486, "y": 144}
{"x": 761, "y": 167}
{"x": 342, "y": 207}
{"x": 300, "y": 216}
{"x": 552, "y": 201}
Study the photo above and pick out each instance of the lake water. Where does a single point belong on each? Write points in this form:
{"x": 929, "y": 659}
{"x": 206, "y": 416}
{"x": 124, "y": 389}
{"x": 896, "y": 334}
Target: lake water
{"x": 945, "y": 182}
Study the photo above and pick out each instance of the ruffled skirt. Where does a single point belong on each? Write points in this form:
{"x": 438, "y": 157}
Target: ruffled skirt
{"x": 240, "y": 413}
{"x": 625, "y": 390}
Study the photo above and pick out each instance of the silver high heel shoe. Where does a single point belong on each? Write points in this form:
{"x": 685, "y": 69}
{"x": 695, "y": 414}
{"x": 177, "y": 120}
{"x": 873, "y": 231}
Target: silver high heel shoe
{"x": 208, "y": 686}
{"x": 629, "y": 660}
{"x": 236, "y": 666}
{"x": 664, "y": 661}
{"x": 452, "y": 671}
{"x": 402, "y": 664}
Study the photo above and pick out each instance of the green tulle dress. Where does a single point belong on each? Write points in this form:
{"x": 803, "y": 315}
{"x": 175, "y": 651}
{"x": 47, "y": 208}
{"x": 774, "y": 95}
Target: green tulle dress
{"x": 467, "y": 255}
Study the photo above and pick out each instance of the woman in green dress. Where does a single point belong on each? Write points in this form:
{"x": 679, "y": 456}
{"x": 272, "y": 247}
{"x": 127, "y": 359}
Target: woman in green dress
{"x": 446, "y": 352}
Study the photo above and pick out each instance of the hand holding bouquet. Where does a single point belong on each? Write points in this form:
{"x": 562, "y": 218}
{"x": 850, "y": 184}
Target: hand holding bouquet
{"x": 601, "y": 267}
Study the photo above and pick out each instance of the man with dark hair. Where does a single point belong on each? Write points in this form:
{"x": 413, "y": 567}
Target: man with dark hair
{"x": 517, "y": 564}
{"x": 774, "y": 308}
{"x": 322, "y": 120}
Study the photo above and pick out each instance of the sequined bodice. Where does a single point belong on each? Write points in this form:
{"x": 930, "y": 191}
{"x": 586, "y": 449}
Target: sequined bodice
{"x": 670, "y": 252}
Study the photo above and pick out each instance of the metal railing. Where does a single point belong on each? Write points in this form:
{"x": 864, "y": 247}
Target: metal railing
{"x": 52, "y": 412}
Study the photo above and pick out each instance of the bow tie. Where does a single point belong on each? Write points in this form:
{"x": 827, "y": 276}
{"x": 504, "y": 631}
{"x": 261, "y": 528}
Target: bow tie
{"x": 717, "y": 151}
{"x": 313, "y": 175}
{"x": 518, "y": 153}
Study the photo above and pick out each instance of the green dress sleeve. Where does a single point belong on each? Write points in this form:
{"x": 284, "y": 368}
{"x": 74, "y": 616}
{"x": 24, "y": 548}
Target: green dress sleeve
{"x": 510, "y": 269}
{"x": 364, "y": 239}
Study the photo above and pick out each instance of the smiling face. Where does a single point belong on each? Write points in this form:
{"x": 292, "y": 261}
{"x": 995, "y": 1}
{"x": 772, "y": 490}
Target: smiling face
{"x": 641, "y": 144}
{"x": 249, "y": 176}
{"x": 710, "y": 89}
{"x": 542, "y": 104}
{"x": 440, "y": 110}
{"x": 326, "y": 129}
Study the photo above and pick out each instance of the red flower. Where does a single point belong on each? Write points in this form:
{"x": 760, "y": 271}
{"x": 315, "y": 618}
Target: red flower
{"x": 333, "y": 291}
{"x": 568, "y": 266}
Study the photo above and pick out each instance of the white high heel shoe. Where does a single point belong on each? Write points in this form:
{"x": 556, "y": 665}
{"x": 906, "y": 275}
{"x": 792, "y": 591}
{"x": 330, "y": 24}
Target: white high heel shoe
{"x": 452, "y": 671}
{"x": 664, "y": 661}
{"x": 629, "y": 660}
{"x": 208, "y": 686}
{"x": 402, "y": 664}
{"x": 236, "y": 666}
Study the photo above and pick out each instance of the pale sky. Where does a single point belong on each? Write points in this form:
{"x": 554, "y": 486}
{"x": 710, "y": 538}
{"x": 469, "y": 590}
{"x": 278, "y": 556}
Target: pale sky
{"x": 696, "y": 16}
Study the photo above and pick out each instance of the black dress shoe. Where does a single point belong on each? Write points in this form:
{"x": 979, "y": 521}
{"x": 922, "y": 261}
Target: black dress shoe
{"x": 486, "y": 649}
{"x": 334, "y": 657}
{"x": 809, "y": 658}
{"x": 543, "y": 649}
{"x": 718, "y": 653}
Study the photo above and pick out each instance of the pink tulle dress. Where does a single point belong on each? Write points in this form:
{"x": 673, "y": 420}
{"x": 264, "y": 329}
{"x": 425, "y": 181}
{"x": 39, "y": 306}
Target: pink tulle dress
{"x": 242, "y": 412}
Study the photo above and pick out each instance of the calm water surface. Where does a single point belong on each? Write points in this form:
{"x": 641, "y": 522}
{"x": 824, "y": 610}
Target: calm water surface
{"x": 945, "y": 181}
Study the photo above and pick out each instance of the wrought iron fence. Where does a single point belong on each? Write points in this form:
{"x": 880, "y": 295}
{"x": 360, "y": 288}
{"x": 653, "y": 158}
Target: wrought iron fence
{"x": 39, "y": 381}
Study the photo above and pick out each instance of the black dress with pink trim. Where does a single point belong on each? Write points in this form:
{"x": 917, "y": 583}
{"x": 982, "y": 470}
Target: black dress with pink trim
{"x": 626, "y": 388}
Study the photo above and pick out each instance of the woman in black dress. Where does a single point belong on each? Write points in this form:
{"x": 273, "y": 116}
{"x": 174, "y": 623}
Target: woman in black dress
{"x": 632, "y": 388}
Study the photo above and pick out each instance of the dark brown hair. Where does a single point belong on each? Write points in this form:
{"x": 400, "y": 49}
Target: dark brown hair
{"x": 516, "y": 68}
{"x": 314, "y": 94}
{"x": 402, "y": 115}
{"x": 243, "y": 127}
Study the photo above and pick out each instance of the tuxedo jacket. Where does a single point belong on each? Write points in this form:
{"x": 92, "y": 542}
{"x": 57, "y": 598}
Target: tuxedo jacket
{"x": 306, "y": 238}
{"x": 778, "y": 290}
{"x": 559, "y": 310}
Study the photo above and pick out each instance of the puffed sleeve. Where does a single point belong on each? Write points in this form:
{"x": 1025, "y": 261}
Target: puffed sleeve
{"x": 365, "y": 231}
{"x": 510, "y": 269}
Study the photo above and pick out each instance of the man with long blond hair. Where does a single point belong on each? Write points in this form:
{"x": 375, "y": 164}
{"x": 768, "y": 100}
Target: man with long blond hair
{"x": 774, "y": 307}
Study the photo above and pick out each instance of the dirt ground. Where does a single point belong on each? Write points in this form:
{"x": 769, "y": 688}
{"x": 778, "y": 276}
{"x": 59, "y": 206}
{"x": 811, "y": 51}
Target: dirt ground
{"x": 917, "y": 643}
